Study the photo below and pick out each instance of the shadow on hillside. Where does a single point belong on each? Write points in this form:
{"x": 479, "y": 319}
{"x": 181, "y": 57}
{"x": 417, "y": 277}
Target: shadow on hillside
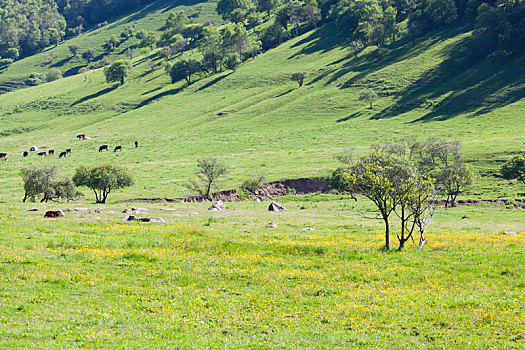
{"x": 158, "y": 96}
{"x": 95, "y": 95}
{"x": 284, "y": 93}
{"x": 367, "y": 63}
{"x": 62, "y": 62}
{"x": 325, "y": 39}
{"x": 451, "y": 90}
{"x": 213, "y": 82}
{"x": 164, "y": 6}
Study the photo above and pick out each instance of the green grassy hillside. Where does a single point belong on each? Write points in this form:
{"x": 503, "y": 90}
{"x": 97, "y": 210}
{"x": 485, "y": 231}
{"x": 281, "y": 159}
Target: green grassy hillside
{"x": 149, "y": 18}
{"x": 271, "y": 127}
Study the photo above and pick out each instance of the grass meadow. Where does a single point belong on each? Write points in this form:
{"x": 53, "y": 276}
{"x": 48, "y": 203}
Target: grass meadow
{"x": 224, "y": 280}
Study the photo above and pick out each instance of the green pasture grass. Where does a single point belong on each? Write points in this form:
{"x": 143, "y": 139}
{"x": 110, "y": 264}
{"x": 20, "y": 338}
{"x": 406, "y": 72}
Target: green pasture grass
{"x": 223, "y": 280}
{"x": 272, "y": 127}
{"x": 150, "y": 18}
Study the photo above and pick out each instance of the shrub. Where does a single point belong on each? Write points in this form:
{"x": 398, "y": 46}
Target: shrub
{"x": 6, "y": 62}
{"x": 54, "y": 74}
{"x": 253, "y": 183}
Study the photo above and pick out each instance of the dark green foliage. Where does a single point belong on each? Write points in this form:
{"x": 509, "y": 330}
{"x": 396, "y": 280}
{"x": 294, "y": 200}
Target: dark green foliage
{"x": 514, "y": 168}
{"x": 5, "y": 62}
{"x": 74, "y": 49}
{"x": 148, "y": 40}
{"x": 225, "y": 8}
{"x": 88, "y": 55}
{"x": 231, "y": 61}
{"x": 110, "y": 44}
{"x": 501, "y": 26}
{"x": 433, "y": 13}
{"x": 298, "y": 78}
{"x": 102, "y": 179}
{"x": 116, "y": 72}
{"x": 184, "y": 69}
{"x": 43, "y": 182}
{"x": 29, "y": 26}
{"x": 273, "y": 35}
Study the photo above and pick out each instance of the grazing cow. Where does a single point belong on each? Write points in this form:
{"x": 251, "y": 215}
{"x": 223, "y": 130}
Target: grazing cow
{"x": 102, "y": 148}
{"x": 26, "y": 153}
{"x": 51, "y": 152}
{"x": 62, "y": 154}
{"x": 68, "y": 150}
{"x": 41, "y": 154}
{"x": 136, "y": 144}
{"x": 118, "y": 148}
{"x": 53, "y": 214}
{"x": 81, "y": 136}
{"x": 3, "y": 155}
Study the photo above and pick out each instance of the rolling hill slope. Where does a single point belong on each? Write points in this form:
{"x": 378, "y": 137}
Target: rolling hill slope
{"x": 269, "y": 126}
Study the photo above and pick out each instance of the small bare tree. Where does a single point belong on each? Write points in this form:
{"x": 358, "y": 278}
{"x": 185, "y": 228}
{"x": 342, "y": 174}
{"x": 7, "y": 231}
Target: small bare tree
{"x": 209, "y": 170}
{"x": 368, "y": 95}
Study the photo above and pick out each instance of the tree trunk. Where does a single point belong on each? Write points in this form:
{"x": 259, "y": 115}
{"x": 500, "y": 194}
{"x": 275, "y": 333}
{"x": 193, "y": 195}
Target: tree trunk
{"x": 387, "y": 233}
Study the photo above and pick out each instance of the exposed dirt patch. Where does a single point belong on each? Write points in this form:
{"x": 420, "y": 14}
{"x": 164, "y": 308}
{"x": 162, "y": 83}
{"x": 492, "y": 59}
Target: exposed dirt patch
{"x": 301, "y": 186}
{"x": 271, "y": 191}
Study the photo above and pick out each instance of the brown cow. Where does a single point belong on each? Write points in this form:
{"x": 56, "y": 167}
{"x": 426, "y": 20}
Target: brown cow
{"x": 81, "y": 136}
{"x": 41, "y": 154}
{"x": 68, "y": 150}
{"x": 118, "y": 148}
{"x": 51, "y": 152}
{"x": 62, "y": 154}
{"x": 53, "y": 214}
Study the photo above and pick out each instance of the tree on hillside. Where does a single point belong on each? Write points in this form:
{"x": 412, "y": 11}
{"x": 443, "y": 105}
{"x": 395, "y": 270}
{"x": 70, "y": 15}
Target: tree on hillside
{"x": 514, "y": 168}
{"x": 210, "y": 48}
{"x": 110, "y": 44}
{"x": 209, "y": 170}
{"x": 298, "y": 78}
{"x": 43, "y": 182}
{"x": 266, "y": 6}
{"x": 453, "y": 180}
{"x": 232, "y": 61}
{"x": 176, "y": 21}
{"x": 184, "y": 69}
{"x": 226, "y": 7}
{"x": 395, "y": 183}
{"x": 148, "y": 40}
{"x": 368, "y": 95}
{"x": 74, "y": 49}
{"x": 116, "y": 72}
{"x": 102, "y": 179}
{"x": 53, "y": 36}
{"x": 88, "y": 55}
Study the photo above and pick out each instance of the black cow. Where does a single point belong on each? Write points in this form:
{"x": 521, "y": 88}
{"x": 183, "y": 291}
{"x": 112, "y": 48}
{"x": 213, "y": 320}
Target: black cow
{"x": 118, "y": 148}
{"x": 26, "y": 153}
{"x": 3, "y": 155}
{"x": 103, "y": 148}
{"x": 62, "y": 154}
{"x": 51, "y": 152}
{"x": 136, "y": 143}
{"x": 68, "y": 150}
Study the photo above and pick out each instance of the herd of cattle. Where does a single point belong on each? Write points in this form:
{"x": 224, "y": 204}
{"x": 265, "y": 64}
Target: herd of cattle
{"x": 51, "y": 152}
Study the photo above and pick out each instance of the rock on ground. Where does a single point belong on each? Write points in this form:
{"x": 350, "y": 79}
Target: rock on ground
{"x": 275, "y": 207}
{"x": 217, "y": 206}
